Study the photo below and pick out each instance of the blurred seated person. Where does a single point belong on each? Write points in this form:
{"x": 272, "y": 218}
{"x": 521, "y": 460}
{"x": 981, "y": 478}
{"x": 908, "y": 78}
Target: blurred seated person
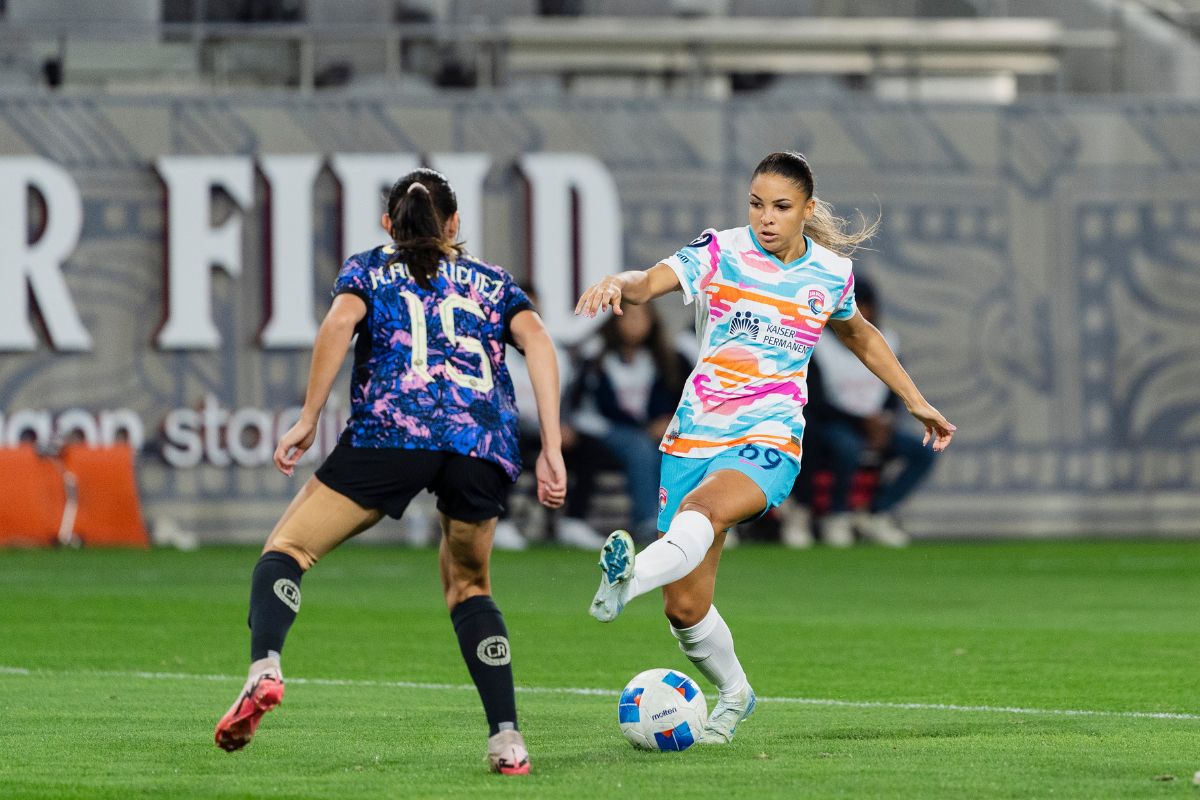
{"x": 581, "y": 454}
{"x": 850, "y": 421}
{"x": 624, "y": 396}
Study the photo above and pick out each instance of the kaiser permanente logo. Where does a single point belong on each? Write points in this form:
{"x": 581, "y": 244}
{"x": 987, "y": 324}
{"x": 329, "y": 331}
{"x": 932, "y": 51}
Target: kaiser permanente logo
{"x": 749, "y": 325}
{"x": 745, "y": 323}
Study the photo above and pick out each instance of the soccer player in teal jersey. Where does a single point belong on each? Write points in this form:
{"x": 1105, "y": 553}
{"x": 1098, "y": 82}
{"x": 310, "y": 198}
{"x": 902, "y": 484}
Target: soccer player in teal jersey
{"x": 766, "y": 291}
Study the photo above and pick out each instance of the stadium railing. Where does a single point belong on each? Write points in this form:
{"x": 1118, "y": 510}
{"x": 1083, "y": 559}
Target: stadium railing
{"x": 569, "y": 46}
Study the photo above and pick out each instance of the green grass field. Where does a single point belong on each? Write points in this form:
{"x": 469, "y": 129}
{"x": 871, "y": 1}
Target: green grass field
{"x": 951, "y": 670}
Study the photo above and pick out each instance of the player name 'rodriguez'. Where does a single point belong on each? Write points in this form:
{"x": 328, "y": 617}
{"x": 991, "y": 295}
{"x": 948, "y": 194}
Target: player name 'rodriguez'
{"x": 455, "y": 273}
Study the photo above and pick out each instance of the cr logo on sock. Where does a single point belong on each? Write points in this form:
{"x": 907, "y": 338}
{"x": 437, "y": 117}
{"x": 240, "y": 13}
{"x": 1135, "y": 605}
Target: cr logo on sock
{"x": 493, "y": 651}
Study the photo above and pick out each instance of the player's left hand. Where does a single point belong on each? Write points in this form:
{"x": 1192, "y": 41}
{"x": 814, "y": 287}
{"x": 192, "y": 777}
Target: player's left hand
{"x": 293, "y": 445}
{"x": 938, "y": 429}
{"x": 551, "y": 479}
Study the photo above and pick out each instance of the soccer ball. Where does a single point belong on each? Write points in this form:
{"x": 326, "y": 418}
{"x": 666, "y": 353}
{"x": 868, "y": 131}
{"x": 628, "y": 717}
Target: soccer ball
{"x": 661, "y": 709}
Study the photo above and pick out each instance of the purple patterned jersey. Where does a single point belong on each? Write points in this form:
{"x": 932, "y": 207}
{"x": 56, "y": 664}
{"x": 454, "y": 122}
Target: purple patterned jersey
{"x": 429, "y": 371}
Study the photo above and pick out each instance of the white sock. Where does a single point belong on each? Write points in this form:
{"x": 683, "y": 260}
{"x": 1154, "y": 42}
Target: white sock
{"x": 270, "y": 664}
{"x": 672, "y": 556}
{"x": 709, "y": 645}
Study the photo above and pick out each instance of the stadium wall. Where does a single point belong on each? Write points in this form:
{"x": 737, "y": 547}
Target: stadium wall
{"x": 1041, "y": 263}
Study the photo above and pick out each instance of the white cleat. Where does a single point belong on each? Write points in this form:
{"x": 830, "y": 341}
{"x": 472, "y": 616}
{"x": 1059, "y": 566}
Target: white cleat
{"x": 723, "y": 721}
{"x": 507, "y": 537}
{"x": 616, "y": 567}
{"x": 881, "y": 529}
{"x": 837, "y": 530}
{"x": 795, "y": 525}
{"x": 572, "y": 532}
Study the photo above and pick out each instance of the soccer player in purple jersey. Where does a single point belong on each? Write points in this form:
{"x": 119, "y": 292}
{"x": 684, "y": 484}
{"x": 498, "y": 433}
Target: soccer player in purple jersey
{"x": 432, "y": 407}
{"x": 733, "y": 449}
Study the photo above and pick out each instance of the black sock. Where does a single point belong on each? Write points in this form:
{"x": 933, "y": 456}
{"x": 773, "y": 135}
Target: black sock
{"x": 483, "y": 640}
{"x": 274, "y": 601}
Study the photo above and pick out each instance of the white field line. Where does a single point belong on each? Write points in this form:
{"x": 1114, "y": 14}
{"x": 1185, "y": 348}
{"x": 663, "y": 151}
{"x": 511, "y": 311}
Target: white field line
{"x": 807, "y": 701}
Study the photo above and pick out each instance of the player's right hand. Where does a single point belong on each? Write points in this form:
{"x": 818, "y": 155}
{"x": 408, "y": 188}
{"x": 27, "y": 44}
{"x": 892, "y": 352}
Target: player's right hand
{"x": 600, "y": 296}
{"x": 551, "y": 479}
{"x": 293, "y": 445}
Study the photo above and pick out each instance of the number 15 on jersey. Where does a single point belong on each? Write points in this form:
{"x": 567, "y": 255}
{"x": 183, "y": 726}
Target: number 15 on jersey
{"x": 420, "y": 340}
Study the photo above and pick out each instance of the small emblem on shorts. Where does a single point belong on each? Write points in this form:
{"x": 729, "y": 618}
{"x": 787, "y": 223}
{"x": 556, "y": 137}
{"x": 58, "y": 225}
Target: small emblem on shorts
{"x": 493, "y": 651}
{"x": 287, "y": 591}
{"x": 662, "y": 499}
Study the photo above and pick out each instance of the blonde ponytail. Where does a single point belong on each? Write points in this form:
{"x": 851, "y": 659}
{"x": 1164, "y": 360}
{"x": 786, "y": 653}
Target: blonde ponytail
{"x": 829, "y": 230}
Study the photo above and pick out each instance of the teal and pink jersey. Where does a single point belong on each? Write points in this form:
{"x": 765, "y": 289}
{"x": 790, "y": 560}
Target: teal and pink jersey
{"x": 758, "y": 320}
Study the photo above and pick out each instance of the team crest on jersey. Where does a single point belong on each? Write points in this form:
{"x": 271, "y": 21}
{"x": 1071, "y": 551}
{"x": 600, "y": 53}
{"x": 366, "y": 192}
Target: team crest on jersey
{"x": 816, "y": 301}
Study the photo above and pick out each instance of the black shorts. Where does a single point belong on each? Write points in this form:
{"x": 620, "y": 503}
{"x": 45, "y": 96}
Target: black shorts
{"x": 468, "y": 489}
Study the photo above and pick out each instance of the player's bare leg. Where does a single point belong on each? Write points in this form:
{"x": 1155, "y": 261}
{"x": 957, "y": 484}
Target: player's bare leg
{"x": 463, "y": 559}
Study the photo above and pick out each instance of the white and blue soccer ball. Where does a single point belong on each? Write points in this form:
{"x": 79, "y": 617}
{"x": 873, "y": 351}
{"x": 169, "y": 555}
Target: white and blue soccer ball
{"x": 662, "y": 709}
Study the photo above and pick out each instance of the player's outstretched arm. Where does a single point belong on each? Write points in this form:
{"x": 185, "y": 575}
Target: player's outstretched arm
{"x": 542, "y": 361}
{"x": 865, "y": 341}
{"x": 634, "y": 286}
{"x": 333, "y": 340}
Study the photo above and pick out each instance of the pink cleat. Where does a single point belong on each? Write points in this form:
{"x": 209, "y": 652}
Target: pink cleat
{"x": 507, "y": 754}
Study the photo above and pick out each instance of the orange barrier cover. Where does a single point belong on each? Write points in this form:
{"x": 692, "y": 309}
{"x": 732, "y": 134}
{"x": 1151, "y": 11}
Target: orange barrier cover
{"x": 32, "y": 498}
{"x": 109, "y": 511}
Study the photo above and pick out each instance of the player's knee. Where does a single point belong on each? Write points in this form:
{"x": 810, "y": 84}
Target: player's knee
{"x": 718, "y": 523}
{"x": 303, "y": 557}
{"x": 700, "y": 507}
{"x": 684, "y": 612}
{"x": 469, "y": 562}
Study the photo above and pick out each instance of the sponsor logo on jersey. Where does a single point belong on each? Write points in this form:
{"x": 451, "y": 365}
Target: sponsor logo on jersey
{"x": 701, "y": 241}
{"x": 287, "y": 591}
{"x": 745, "y": 324}
{"x": 493, "y": 651}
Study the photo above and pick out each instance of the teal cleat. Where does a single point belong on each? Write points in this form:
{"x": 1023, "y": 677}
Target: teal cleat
{"x": 616, "y": 564}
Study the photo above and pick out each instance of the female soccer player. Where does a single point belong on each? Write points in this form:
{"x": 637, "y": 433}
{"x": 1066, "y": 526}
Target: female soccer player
{"x": 732, "y": 450}
{"x": 431, "y": 408}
